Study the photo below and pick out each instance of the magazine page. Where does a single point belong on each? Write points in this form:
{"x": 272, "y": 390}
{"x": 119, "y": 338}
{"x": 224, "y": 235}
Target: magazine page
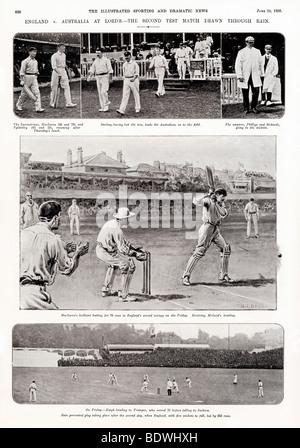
{"x": 149, "y": 219}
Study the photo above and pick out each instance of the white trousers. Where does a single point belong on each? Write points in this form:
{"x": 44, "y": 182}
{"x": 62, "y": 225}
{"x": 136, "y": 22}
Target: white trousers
{"x": 160, "y": 74}
{"x": 31, "y": 83}
{"x": 64, "y": 84}
{"x": 252, "y": 220}
{"x": 181, "y": 67}
{"x": 74, "y": 219}
{"x": 134, "y": 87}
{"x": 32, "y": 395}
{"x": 102, "y": 86}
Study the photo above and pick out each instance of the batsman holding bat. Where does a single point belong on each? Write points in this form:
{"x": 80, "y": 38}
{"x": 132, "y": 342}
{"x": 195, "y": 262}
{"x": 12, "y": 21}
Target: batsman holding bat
{"x": 118, "y": 253}
{"x": 214, "y": 211}
{"x": 29, "y": 81}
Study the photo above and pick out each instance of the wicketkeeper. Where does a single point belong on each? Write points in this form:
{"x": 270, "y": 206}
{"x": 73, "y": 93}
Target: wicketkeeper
{"x": 118, "y": 253}
{"x": 214, "y": 211}
{"x": 28, "y": 80}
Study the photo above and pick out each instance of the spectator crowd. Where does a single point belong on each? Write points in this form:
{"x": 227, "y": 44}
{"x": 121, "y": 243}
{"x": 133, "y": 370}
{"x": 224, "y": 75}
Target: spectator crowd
{"x": 194, "y": 358}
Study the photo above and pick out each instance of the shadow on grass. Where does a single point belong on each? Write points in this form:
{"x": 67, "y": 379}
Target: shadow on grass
{"x": 255, "y": 283}
{"x": 164, "y": 298}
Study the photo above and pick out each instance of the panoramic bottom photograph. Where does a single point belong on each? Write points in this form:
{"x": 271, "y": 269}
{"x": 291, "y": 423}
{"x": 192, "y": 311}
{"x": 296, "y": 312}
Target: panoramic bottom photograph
{"x": 146, "y": 364}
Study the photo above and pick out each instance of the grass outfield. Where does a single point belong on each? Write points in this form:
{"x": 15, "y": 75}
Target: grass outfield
{"x": 61, "y": 112}
{"x": 209, "y": 386}
{"x": 236, "y": 111}
{"x": 202, "y": 101}
{"x": 253, "y": 266}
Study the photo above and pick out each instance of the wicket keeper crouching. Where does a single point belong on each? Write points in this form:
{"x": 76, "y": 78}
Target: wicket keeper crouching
{"x": 114, "y": 250}
{"x": 214, "y": 211}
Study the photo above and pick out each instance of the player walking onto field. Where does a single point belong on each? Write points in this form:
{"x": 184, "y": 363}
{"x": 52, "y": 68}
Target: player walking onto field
{"x": 118, "y": 253}
{"x": 32, "y": 392}
{"x": 29, "y": 81}
{"x": 214, "y": 211}
{"x": 160, "y": 65}
{"x": 251, "y": 212}
{"x": 59, "y": 76}
{"x": 101, "y": 68}
{"x": 131, "y": 83}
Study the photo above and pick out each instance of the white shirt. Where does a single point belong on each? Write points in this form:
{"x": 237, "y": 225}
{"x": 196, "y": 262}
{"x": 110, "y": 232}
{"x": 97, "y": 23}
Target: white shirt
{"x": 181, "y": 53}
{"x": 130, "y": 69}
{"x": 213, "y": 212}
{"x": 251, "y": 208}
{"x": 101, "y": 65}
{"x": 42, "y": 252}
{"x": 74, "y": 210}
{"x": 58, "y": 60}
{"x": 29, "y": 65}
{"x": 111, "y": 238}
{"x": 159, "y": 61}
{"x": 29, "y": 214}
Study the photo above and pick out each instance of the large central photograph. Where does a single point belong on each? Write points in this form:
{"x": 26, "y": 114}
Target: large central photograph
{"x": 178, "y": 223}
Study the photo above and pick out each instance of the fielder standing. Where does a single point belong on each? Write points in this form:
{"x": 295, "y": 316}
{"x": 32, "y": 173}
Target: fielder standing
{"x": 101, "y": 68}
{"x": 60, "y": 77}
{"x": 169, "y": 387}
{"x": 29, "y": 213}
{"x": 28, "y": 73}
{"x": 118, "y": 253}
{"x": 160, "y": 65}
{"x": 131, "y": 83}
{"x": 214, "y": 210}
{"x": 251, "y": 212}
{"x": 260, "y": 387}
{"x": 32, "y": 392}
{"x": 74, "y": 217}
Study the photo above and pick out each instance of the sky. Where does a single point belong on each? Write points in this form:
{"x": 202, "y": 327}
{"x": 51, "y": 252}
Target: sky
{"x": 186, "y": 331}
{"x": 223, "y": 152}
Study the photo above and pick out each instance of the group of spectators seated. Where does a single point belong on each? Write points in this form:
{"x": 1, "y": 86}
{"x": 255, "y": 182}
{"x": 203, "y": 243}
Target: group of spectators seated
{"x": 143, "y": 49}
{"x": 76, "y": 361}
{"x": 170, "y": 357}
{"x": 55, "y": 182}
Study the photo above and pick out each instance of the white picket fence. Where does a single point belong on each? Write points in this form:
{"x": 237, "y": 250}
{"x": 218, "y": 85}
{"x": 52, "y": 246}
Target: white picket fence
{"x": 201, "y": 69}
{"x": 232, "y": 94}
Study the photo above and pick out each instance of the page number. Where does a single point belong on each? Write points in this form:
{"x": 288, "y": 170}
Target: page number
{"x": 18, "y": 11}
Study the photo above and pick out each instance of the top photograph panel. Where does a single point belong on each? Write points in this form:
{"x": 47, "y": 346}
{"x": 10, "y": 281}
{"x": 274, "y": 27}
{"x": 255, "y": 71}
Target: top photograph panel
{"x": 149, "y": 75}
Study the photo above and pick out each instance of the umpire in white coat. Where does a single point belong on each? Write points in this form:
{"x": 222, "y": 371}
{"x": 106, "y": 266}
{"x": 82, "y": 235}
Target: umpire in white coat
{"x": 248, "y": 68}
{"x": 270, "y": 72}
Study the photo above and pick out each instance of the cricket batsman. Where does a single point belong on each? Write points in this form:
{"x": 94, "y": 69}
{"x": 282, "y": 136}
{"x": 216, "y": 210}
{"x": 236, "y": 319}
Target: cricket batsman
{"x": 214, "y": 211}
{"x": 118, "y": 253}
{"x": 59, "y": 77}
{"x": 29, "y": 81}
